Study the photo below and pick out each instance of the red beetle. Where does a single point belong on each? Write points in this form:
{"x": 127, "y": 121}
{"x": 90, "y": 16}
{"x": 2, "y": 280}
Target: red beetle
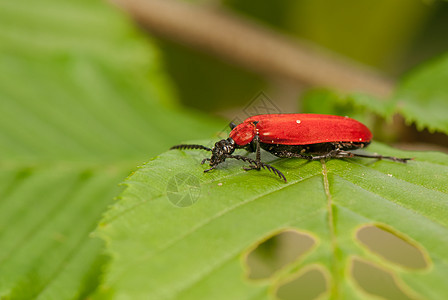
{"x": 308, "y": 136}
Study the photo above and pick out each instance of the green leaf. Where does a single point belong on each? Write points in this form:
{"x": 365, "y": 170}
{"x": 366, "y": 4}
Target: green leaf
{"x": 422, "y": 97}
{"x": 163, "y": 250}
{"x": 83, "y": 100}
{"x": 46, "y": 216}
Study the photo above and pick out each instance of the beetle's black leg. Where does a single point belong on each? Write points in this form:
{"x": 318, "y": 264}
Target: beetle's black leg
{"x": 332, "y": 153}
{"x": 183, "y": 146}
{"x": 257, "y": 166}
{"x": 289, "y": 154}
{"x": 262, "y": 165}
{"x": 232, "y": 125}
{"x": 204, "y": 160}
{"x": 342, "y": 154}
{"x": 273, "y": 170}
{"x": 205, "y": 171}
{"x": 251, "y": 147}
{"x": 257, "y": 143}
{"x": 318, "y": 157}
{"x": 345, "y": 154}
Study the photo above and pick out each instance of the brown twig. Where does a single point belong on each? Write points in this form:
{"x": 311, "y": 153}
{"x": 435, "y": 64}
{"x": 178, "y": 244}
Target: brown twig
{"x": 253, "y": 46}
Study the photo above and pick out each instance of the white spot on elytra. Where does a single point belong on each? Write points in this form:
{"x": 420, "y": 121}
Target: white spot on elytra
{"x": 298, "y": 121}
{"x": 266, "y": 133}
{"x": 360, "y": 139}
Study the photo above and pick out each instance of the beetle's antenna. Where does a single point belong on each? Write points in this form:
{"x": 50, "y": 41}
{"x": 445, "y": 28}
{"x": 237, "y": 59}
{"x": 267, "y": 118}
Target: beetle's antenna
{"x": 183, "y": 146}
{"x": 262, "y": 165}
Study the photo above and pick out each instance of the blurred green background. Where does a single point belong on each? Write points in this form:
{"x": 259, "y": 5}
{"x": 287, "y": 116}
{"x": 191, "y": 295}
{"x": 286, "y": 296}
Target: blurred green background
{"x": 86, "y": 95}
{"x": 387, "y": 37}
{"x": 390, "y": 36}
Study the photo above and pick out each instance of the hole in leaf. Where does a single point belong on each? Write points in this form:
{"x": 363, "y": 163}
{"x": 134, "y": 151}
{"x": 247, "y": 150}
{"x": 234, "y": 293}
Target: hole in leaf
{"x": 392, "y": 246}
{"x": 309, "y": 285}
{"x": 276, "y": 252}
{"x": 377, "y": 281}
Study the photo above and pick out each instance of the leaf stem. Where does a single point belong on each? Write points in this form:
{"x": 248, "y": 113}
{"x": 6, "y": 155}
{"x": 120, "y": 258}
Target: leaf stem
{"x": 331, "y": 227}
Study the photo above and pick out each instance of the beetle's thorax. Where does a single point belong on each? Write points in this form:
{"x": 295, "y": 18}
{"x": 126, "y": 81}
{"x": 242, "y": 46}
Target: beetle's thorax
{"x": 221, "y": 149}
{"x": 244, "y": 133}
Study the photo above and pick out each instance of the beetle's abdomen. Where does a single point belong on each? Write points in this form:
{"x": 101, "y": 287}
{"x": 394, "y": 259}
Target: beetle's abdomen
{"x": 311, "y": 149}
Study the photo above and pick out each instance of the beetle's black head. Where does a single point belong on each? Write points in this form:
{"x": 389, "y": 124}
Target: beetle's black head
{"x": 220, "y": 150}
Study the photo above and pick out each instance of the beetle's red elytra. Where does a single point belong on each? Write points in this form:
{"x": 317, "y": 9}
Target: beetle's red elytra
{"x": 300, "y": 129}
{"x": 307, "y": 136}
